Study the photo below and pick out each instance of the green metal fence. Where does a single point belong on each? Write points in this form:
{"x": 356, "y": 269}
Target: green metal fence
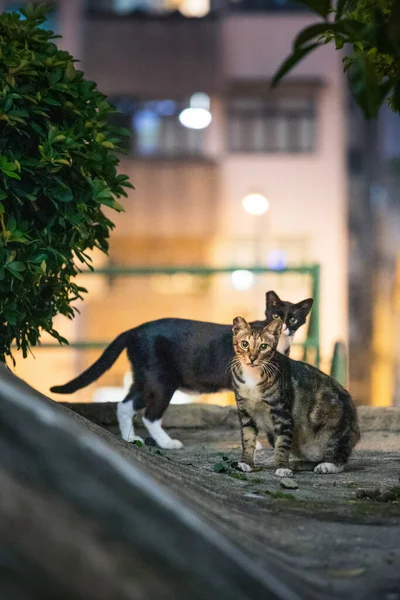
{"x": 311, "y": 344}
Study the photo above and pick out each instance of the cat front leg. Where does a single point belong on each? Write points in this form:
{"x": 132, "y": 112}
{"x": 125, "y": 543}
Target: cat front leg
{"x": 249, "y": 431}
{"x": 283, "y": 430}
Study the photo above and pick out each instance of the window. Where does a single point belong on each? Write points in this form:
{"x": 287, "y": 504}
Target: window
{"x": 123, "y": 8}
{"x": 156, "y": 129}
{"x": 266, "y": 5}
{"x": 278, "y": 124}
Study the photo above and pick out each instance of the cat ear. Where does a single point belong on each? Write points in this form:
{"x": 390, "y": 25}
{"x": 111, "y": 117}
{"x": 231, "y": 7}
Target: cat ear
{"x": 239, "y": 324}
{"x": 274, "y": 328}
{"x": 272, "y": 299}
{"x": 304, "y": 306}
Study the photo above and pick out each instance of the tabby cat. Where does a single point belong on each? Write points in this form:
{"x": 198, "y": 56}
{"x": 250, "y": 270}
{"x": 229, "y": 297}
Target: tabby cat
{"x": 308, "y": 413}
{"x": 178, "y": 354}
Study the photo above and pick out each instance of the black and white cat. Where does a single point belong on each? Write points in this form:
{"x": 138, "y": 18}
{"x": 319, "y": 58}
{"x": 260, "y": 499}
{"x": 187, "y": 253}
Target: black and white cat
{"x": 178, "y": 354}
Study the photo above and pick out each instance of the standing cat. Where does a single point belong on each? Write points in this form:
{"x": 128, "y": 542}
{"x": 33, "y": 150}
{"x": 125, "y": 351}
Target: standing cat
{"x": 177, "y": 354}
{"x": 309, "y": 413}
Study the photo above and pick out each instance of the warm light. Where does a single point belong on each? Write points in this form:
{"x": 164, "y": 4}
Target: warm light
{"x": 198, "y": 115}
{"x": 195, "y": 118}
{"x": 242, "y": 279}
{"x": 255, "y": 204}
{"x": 194, "y": 8}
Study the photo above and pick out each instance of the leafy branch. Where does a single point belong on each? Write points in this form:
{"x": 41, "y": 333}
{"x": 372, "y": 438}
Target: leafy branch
{"x": 369, "y": 32}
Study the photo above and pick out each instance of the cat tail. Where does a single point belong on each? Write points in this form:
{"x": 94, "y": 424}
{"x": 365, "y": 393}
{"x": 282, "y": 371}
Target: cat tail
{"x": 102, "y": 364}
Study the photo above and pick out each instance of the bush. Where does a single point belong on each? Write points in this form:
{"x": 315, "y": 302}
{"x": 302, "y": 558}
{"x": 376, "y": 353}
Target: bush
{"x": 57, "y": 168}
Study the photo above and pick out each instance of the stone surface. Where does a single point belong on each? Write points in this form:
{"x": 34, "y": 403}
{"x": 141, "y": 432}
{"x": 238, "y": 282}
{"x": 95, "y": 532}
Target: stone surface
{"x": 80, "y": 521}
{"x": 289, "y": 484}
{"x": 203, "y": 416}
{"x": 347, "y": 545}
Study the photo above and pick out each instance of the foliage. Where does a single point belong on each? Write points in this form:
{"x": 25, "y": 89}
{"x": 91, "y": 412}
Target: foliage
{"x": 57, "y": 169}
{"x": 369, "y": 31}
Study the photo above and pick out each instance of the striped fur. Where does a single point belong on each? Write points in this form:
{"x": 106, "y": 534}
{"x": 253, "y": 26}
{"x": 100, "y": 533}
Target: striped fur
{"x": 302, "y": 410}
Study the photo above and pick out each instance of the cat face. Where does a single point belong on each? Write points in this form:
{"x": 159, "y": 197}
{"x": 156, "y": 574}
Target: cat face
{"x": 255, "y": 345}
{"x": 292, "y": 315}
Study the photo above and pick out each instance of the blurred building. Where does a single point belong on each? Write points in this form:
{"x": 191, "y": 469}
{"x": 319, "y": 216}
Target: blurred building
{"x": 158, "y": 58}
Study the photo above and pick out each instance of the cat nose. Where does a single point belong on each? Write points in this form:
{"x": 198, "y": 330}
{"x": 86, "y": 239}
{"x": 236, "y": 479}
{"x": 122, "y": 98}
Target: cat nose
{"x": 252, "y": 358}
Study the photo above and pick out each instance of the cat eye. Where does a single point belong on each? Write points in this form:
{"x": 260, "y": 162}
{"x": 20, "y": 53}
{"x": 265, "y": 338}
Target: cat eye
{"x": 275, "y": 316}
{"x": 293, "y": 320}
{"x": 245, "y": 344}
{"x": 263, "y": 346}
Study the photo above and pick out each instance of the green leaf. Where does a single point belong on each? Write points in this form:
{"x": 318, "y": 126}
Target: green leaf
{"x": 11, "y": 174}
{"x": 321, "y": 7}
{"x": 365, "y": 85}
{"x": 340, "y": 6}
{"x": 17, "y": 266}
{"x": 315, "y": 30}
{"x": 291, "y": 62}
{"x": 62, "y": 194}
{"x": 11, "y": 224}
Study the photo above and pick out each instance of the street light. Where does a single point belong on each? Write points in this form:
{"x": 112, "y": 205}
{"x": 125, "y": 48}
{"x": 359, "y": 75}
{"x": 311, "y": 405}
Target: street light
{"x": 255, "y": 204}
{"x": 198, "y": 115}
{"x": 242, "y": 279}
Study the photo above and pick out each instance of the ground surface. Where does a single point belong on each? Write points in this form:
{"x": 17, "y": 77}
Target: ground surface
{"x": 328, "y": 530}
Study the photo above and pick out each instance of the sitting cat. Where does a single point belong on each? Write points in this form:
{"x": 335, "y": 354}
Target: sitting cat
{"x": 309, "y": 413}
{"x": 177, "y": 354}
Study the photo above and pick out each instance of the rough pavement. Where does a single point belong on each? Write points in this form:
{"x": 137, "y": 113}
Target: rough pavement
{"x": 327, "y": 530}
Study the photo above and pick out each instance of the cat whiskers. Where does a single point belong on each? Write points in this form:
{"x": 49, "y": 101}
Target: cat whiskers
{"x": 270, "y": 369}
{"x": 233, "y": 364}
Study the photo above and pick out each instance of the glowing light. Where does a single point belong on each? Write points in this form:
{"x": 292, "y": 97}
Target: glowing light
{"x": 277, "y": 260}
{"x": 194, "y": 8}
{"x": 255, "y": 204}
{"x": 200, "y": 100}
{"x": 195, "y": 118}
{"x": 242, "y": 279}
{"x": 198, "y": 115}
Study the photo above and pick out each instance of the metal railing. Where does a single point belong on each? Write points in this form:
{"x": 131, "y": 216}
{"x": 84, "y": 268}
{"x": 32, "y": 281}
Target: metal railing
{"x": 311, "y": 344}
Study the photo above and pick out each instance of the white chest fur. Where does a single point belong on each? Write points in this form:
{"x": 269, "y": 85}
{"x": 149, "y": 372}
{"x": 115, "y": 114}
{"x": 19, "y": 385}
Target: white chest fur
{"x": 249, "y": 390}
{"x": 252, "y": 396}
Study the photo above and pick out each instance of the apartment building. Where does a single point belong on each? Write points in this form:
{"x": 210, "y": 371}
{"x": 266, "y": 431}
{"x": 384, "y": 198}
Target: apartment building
{"x": 159, "y": 59}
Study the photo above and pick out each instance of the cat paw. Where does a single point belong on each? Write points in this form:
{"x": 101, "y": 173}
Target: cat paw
{"x": 134, "y": 438}
{"x": 172, "y": 445}
{"x": 284, "y": 473}
{"x": 258, "y": 445}
{"x": 328, "y": 468}
{"x": 242, "y": 466}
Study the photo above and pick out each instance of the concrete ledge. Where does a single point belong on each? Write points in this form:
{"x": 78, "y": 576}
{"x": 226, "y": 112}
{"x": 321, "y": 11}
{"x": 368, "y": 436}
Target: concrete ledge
{"x": 204, "y": 416}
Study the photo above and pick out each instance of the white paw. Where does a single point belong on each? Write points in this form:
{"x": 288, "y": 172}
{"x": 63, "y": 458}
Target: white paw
{"x": 328, "y": 468}
{"x": 244, "y": 467}
{"x": 258, "y": 445}
{"x": 171, "y": 445}
{"x": 284, "y": 473}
